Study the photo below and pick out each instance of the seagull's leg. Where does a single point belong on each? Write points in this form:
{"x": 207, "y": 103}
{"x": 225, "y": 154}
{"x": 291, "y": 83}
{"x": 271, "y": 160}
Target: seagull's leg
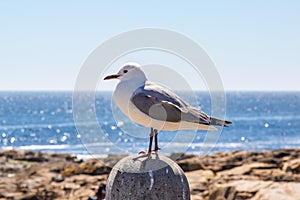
{"x": 150, "y": 142}
{"x": 156, "y": 148}
{"x": 151, "y": 139}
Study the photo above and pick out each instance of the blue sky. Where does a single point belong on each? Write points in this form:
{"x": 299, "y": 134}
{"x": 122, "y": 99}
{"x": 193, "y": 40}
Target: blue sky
{"x": 254, "y": 44}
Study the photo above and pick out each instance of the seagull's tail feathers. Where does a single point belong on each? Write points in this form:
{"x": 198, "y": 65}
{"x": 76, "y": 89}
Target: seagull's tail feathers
{"x": 219, "y": 122}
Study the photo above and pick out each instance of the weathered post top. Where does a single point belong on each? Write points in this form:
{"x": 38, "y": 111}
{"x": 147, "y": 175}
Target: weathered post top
{"x": 149, "y": 176}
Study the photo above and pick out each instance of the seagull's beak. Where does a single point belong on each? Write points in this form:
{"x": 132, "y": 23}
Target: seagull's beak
{"x": 112, "y": 76}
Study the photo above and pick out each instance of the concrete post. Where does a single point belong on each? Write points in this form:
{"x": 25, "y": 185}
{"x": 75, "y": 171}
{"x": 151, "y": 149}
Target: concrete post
{"x": 147, "y": 177}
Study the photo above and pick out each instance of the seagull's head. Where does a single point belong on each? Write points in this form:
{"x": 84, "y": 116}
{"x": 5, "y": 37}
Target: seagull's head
{"x": 129, "y": 71}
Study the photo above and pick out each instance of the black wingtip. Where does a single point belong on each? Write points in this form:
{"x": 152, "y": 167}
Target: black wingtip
{"x": 228, "y": 122}
{"x": 218, "y": 122}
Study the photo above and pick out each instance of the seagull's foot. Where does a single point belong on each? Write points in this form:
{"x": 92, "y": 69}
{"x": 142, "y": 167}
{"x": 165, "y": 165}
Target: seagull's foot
{"x": 145, "y": 152}
{"x": 149, "y": 152}
{"x": 156, "y": 149}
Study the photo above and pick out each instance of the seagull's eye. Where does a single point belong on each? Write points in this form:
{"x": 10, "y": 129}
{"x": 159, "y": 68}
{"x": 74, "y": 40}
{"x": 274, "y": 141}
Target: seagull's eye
{"x": 125, "y": 71}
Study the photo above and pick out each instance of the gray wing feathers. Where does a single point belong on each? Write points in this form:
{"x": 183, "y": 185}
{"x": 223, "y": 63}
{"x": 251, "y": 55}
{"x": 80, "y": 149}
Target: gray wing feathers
{"x": 195, "y": 115}
{"x": 160, "y": 110}
{"x": 163, "y": 104}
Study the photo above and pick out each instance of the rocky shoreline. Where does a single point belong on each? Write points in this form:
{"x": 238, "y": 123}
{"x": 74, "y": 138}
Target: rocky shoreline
{"x": 226, "y": 175}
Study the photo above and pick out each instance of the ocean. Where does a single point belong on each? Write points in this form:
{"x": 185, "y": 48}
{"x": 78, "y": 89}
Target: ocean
{"x": 43, "y": 121}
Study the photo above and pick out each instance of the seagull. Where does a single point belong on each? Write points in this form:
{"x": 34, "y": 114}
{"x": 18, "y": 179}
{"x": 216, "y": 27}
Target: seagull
{"x": 155, "y": 106}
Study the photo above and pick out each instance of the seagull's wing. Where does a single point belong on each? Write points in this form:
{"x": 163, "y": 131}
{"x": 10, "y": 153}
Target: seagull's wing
{"x": 162, "y": 104}
{"x": 157, "y": 109}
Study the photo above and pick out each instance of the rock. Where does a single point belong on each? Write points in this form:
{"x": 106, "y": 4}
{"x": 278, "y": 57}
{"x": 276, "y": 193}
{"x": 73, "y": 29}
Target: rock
{"x": 58, "y": 178}
{"x": 190, "y": 164}
{"x": 11, "y": 154}
{"x": 258, "y": 190}
{"x": 248, "y": 168}
{"x": 81, "y": 179}
{"x": 31, "y": 157}
{"x": 223, "y": 193}
{"x": 31, "y": 196}
{"x": 69, "y": 171}
{"x": 93, "y": 167}
{"x": 249, "y": 186}
{"x": 71, "y": 186}
{"x": 242, "y": 174}
{"x": 198, "y": 181}
{"x": 292, "y": 166}
{"x": 149, "y": 176}
{"x": 244, "y": 195}
{"x": 238, "y": 189}
{"x": 279, "y": 191}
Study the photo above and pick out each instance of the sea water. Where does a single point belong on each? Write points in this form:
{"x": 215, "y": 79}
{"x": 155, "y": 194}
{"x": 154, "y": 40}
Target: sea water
{"x": 44, "y": 121}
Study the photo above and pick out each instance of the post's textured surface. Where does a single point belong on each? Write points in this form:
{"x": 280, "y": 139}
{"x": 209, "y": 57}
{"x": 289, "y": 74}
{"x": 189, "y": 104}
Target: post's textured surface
{"x": 147, "y": 177}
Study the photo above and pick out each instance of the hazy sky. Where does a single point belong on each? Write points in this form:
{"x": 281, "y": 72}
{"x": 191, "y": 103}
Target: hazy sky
{"x": 254, "y": 44}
